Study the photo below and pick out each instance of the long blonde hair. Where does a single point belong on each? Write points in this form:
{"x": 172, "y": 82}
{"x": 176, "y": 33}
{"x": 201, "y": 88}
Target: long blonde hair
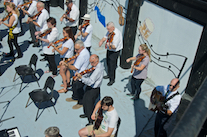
{"x": 146, "y": 49}
{"x": 12, "y": 5}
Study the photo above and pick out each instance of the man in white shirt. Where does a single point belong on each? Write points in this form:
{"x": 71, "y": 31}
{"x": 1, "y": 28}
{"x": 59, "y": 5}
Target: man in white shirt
{"x": 71, "y": 17}
{"x": 40, "y": 22}
{"x": 114, "y": 45}
{"x": 171, "y": 102}
{"x": 93, "y": 81}
{"x": 47, "y": 5}
{"x": 86, "y": 30}
{"x": 31, "y": 12}
{"x": 108, "y": 126}
{"x": 80, "y": 64}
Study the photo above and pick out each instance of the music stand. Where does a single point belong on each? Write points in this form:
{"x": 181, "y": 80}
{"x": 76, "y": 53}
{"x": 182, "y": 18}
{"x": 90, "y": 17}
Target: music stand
{"x": 7, "y": 118}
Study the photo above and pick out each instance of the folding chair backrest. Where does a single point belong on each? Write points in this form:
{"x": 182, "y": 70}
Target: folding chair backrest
{"x": 33, "y": 61}
{"x": 118, "y": 124}
{"x": 50, "y": 82}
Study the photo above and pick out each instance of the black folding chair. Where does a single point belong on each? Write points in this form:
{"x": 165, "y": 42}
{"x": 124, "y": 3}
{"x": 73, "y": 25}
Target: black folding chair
{"x": 118, "y": 124}
{"x": 30, "y": 69}
{"x": 41, "y": 95}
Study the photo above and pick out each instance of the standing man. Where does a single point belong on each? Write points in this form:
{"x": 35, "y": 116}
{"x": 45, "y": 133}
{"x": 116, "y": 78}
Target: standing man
{"x": 40, "y": 22}
{"x": 71, "y": 17}
{"x": 80, "y": 64}
{"x": 93, "y": 81}
{"x": 108, "y": 126}
{"x": 86, "y": 30}
{"x": 113, "y": 50}
{"x": 171, "y": 103}
{"x": 47, "y": 5}
{"x": 31, "y": 12}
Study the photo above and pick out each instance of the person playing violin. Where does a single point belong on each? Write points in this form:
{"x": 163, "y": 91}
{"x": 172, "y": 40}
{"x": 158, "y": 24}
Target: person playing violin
{"x": 78, "y": 65}
{"x": 93, "y": 82}
{"x": 14, "y": 29}
{"x": 31, "y": 12}
{"x": 114, "y": 45}
{"x": 40, "y": 22}
{"x": 72, "y": 16}
{"x": 86, "y": 30}
{"x": 140, "y": 70}
{"x": 48, "y": 38}
{"x": 108, "y": 126}
{"x": 66, "y": 50}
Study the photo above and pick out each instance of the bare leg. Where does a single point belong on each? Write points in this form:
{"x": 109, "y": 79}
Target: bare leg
{"x": 83, "y": 132}
{"x": 62, "y": 73}
{"x": 67, "y": 76}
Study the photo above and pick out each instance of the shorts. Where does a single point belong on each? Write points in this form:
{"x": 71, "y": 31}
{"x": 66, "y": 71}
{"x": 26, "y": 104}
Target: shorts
{"x": 97, "y": 132}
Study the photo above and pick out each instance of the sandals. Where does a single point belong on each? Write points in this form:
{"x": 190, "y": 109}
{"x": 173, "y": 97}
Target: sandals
{"x": 62, "y": 90}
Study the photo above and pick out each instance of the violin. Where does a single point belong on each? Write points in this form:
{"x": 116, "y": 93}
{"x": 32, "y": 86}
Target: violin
{"x": 27, "y": 3}
{"x": 44, "y": 33}
{"x": 68, "y": 11}
{"x": 69, "y": 59}
{"x": 58, "y": 41}
{"x": 85, "y": 25}
{"x": 36, "y": 15}
{"x": 110, "y": 39}
{"x": 6, "y": 18}
{"x": 121, "y": 18}
{"x": 85, "y": 71}
{"x": 139, "y": 59}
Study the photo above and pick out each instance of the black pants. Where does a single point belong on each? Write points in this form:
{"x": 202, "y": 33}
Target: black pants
{"x": 111, "y": 61}
{"x": 47, "y": 5}
{"x": 160, "y": 121}
{"x": 89, "y": 98}
{"x": 32, "y": 31}
{"x": 74, "y": 30}
{"x": 52, "y": 64}
{"x": 78, "y": 92}
{"x": 14, "y": 41}
{"x": 136, "y": 86}
{"x": 20, "y": 18}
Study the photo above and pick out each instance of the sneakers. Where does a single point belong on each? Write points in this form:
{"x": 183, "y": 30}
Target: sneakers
{"x": 71, "y": 100}
{"x": 77, "y": 106}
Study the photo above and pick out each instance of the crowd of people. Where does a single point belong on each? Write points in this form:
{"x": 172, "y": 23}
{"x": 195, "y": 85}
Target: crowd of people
{"x": 75, "y": 58}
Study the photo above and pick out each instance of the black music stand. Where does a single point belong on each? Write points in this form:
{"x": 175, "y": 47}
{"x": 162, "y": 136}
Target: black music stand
{"x": 7, "y": 118}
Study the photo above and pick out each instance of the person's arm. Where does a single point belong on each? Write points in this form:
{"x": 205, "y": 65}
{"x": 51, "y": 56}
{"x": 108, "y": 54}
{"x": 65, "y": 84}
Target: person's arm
{"x": 19, "y": 6}
{"x": 102, "y": 41}
{"x": 35, "y": 23}
{"x": 77, "y": 35}
{"x": 11, "y": 21}
{"x": 45, "y": 40}
{"x": 62, "y": 52}
{"x": 130, "y": 59}
{"x": 98, "y": 105}
{"x": 71, "y": 67}
{"x": 139, "y": 68}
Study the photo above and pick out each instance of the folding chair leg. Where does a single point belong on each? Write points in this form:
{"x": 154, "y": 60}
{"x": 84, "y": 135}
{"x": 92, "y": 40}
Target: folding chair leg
{"x": 14, "y": 76}
{"x": 27, "y": 103}
{"x": 37, "y": 115}
{"x": 20, "y": 87}
{"x": 36, "y": 80}
{"x": 53, "y": 106}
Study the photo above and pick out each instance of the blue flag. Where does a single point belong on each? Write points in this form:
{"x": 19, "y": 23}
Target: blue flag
{"x": 101, "y": 18}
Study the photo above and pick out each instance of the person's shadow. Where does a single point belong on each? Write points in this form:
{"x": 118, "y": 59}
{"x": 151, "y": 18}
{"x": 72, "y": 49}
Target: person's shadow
{"x": 144, "y": 119}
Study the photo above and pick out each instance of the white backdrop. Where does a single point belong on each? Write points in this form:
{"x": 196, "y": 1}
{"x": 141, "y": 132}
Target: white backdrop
{"x": 173, "y": 34}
